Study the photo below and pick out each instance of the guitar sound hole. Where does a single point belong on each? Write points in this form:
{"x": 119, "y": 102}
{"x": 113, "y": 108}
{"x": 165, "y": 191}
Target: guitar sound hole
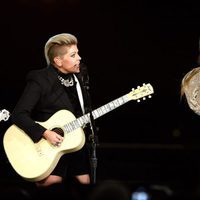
{"x": 58, "y": 131}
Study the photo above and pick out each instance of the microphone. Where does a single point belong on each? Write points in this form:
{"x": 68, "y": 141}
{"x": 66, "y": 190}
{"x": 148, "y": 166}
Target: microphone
{"x": 84, "y": 75}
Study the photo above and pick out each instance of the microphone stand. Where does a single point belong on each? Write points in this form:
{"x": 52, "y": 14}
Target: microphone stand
{"x": 93, "y": 138}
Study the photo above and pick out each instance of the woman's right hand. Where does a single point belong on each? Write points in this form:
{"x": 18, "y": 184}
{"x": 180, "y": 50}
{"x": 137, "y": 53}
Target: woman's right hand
{"x": 52, "y": 137}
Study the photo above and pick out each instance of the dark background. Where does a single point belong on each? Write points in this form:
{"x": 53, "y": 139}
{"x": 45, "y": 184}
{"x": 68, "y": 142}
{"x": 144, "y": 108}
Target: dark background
{"x": 124, "y": 44}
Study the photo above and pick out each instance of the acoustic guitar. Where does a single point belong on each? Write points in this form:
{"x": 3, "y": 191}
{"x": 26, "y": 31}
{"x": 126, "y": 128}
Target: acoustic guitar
{"x": 35, "y": 161}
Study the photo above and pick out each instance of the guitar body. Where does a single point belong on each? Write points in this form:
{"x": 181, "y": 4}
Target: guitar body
{"x": 35, "y": 161}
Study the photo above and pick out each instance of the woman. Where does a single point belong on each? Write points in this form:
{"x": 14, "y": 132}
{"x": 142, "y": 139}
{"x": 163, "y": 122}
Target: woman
{"x": 48, "y": 90}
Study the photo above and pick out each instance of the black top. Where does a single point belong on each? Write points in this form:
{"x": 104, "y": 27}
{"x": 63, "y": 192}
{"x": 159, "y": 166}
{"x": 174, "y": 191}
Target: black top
{"x": 42, "y": 97}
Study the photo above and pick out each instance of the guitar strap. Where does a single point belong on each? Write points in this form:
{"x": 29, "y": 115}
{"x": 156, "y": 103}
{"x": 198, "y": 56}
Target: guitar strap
{"x": 80, "y": 95}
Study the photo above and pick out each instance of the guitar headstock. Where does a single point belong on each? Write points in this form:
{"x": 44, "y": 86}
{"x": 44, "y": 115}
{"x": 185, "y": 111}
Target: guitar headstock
{"x": 4, "y": 115}
{"x": 141, "y": 92}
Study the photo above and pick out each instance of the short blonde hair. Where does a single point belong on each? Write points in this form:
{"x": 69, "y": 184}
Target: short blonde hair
{"x": 54, "y": 46}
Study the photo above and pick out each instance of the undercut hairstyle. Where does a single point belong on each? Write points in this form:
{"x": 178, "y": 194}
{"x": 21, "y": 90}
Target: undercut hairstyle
{"x": 55, "y": 46}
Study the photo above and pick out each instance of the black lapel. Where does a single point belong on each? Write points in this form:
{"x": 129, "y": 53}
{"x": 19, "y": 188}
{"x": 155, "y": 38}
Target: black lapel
{"x": 58, "y": 89}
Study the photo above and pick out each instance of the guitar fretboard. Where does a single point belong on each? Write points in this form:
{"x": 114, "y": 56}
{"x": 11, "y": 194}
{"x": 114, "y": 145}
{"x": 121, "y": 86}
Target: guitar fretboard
{"x": 83, "y": 120}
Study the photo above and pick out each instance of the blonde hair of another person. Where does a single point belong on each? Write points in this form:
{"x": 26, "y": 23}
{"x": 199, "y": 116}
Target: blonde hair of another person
{"x": 190, "y": 88}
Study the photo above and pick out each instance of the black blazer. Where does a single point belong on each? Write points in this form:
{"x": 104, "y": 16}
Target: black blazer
{"x": 42, "y": 97}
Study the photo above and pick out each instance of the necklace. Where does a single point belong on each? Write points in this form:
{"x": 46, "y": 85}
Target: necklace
{"x": 66, "y": 82}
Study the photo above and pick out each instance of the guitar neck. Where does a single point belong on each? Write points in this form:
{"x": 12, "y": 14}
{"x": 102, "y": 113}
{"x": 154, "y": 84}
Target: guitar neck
{"x": 110, "y": 106}
{"x": 85, "y": 119}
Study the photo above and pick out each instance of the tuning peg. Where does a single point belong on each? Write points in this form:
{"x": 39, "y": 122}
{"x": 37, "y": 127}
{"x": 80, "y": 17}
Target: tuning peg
{"x": 144, "y": 98}
{"x": 138, "y": 100}
{"x": 149, "y": 96}
{"x": 138, "y": 87}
